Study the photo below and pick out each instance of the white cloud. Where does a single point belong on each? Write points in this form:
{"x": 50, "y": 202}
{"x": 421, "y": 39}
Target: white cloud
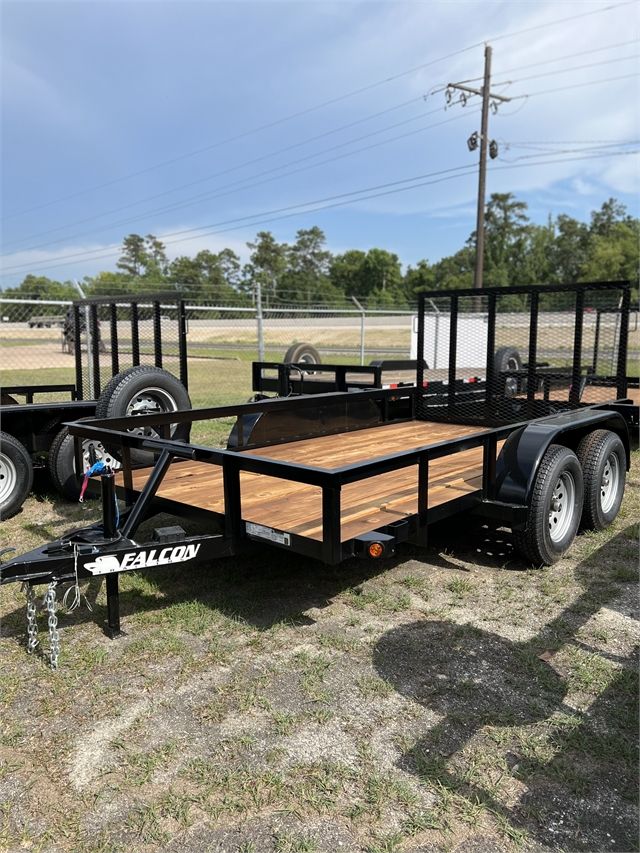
{"x": 94, "y": 257}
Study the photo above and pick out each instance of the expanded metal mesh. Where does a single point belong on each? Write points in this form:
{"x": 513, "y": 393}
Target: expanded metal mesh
{"x": 500, "y": 357}
{"x": 119, "y": 334}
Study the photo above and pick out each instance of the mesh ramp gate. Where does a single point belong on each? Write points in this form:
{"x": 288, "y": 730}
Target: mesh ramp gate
{"x": 114, "y": 334}
{"x": 503, "y": 355}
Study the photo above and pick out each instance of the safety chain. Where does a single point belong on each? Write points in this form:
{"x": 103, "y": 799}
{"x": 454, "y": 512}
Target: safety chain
{"x": 54, "y": 636}
{"x": 32, "y": 622}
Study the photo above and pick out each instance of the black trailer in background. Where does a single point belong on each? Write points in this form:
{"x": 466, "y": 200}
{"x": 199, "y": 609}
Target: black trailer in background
{"x": 31, "y": 422}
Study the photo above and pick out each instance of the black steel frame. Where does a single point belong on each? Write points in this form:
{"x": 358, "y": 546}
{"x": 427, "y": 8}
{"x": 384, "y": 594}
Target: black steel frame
{"x": 131, "y": 304}
{"x": 331, "y": 481}
{"x": 533, "y": 373}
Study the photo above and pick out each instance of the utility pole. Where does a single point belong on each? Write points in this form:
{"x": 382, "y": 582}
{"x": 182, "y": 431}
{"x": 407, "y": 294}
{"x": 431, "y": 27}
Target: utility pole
{"x": 488, "y": 99}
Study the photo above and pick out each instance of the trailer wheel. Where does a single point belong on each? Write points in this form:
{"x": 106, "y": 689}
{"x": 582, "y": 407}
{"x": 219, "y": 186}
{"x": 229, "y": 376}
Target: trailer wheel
{"x": 555, "y": 509}
{"x": 302, "y": 354}
{"x": 604, "y": 467}
{"x": 16, "y": 475}
{"x": 144, "y": 390}
{"x": 506, "y": 360}
{"x": 62, "y": 462}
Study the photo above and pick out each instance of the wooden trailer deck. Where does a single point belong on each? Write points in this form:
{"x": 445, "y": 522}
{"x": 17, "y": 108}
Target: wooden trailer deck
{"x": 365, "y": 505}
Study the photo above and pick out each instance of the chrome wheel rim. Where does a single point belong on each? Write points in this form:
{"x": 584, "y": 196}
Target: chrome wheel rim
{"x": 150, "y": 401}
{"x": 99, "y": 454}
{"x": 562, "y": 505}
{"x": 8, "y": 477}
{"x": 610, "y": 481}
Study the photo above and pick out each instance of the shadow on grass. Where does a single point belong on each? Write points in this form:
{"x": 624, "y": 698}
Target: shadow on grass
{"x": 263, "y": 586}
{"x": 579, "y": 768}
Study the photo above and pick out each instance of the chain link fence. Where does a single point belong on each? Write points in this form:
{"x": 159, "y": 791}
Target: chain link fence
{"x": 37, "y": 341}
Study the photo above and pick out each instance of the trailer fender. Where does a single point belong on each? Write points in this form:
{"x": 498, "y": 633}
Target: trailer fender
{"x": 518, "y": 461}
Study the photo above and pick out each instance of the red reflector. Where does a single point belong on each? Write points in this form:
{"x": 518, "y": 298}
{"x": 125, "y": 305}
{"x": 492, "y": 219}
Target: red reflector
{"x": 376, "y": 550}
{"x": 393, "y": 385}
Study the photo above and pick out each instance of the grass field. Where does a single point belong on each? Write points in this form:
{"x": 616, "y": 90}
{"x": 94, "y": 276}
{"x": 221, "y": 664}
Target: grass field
{"x": 447, "y": 700}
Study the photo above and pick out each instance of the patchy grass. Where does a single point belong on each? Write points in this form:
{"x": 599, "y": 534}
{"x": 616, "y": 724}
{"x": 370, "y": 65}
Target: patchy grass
{"x": 452, "y": 699}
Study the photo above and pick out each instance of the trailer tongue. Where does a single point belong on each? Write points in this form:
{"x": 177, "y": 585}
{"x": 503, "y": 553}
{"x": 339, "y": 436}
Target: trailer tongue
{"x": 345, "y": 474}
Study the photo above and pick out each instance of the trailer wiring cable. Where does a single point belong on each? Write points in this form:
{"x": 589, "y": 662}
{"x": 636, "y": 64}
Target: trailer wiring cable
{"x": 323, "y": 104}
{"x": 99, "y": 467}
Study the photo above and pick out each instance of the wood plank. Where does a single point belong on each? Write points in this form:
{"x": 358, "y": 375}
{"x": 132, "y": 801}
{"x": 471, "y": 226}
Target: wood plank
{"x": 365, "y": 505}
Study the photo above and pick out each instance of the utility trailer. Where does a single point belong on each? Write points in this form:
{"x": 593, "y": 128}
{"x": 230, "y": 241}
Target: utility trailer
{"x": 33, "y": 434}
{"x": 345, "y": 474}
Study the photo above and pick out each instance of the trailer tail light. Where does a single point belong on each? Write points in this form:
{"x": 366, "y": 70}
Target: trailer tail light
{"x": 374, "y": 545}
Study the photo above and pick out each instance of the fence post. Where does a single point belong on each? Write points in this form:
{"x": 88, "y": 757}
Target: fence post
{"x": 89, "y": 336}
{"x": 362, "y": 327}
{"x": 259, "y": 321}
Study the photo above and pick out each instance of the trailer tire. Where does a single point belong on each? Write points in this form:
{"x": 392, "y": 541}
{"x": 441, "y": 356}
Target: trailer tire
{"x": 143, "y": 390}
{"x": 555, "y": 508}
{"x": 604, "y": 466}
{"x": 506, "y": 360}
{"x": 16, "y": 475}
{"x": 302, "y": 354}
{"x": 61, "y": 463}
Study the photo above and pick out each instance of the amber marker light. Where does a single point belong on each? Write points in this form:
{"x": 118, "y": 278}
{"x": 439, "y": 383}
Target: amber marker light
{"x": 376, "y": 550}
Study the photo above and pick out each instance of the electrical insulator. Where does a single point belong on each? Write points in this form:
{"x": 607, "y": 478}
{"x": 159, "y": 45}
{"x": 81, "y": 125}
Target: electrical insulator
{"x": 447, "y": 95}
{"x": 472, "y": 141}
{"x": 493, "y": 149}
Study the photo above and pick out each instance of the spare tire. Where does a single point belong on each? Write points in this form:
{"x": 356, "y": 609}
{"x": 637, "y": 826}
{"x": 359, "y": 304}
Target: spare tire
{"x": 506, "y": 360}
{"x": 61, "y": 462}
{"x": 16, "y": 475}
{"x": 302, "y": 354}
{"x": 144, "y": 390}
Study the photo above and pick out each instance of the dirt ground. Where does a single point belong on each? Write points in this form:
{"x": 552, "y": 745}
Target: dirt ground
{"x": 447, "y": 700}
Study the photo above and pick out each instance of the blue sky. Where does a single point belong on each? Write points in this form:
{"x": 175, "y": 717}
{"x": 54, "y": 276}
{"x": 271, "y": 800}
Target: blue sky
{"x": 116, "y": 118}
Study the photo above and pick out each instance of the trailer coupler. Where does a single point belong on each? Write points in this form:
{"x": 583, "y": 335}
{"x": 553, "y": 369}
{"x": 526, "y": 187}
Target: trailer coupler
{"x": 88, "y": 553}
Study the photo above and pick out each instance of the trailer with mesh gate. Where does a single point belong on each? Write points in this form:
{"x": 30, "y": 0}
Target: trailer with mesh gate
{"x": 119, "y": 349}
{"x": 357, "y": 473}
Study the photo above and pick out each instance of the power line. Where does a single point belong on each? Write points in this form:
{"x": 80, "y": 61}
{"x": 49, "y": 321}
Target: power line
{"x": 567, "y": 70}
{"x": 209, "y": 195}
{"x": 198, "y": 230}
{"x": 235, "y": 168}
{"x": 544, "y": 62}
{"x": 319, "y": 106}
{"x": 229, "y": 189}
{"x": 263, "y": 157}
{"x": 252, "y": 131}
{"x": 574, "y": 86}
{"x": 205, "y": 232}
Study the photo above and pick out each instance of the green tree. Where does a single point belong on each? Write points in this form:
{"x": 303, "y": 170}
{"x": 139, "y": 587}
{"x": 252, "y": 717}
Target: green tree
{"x": 615, "y": 254}
{"x": 267, "y": 265}
{"x": 306, "y": 279}
{"x": 506, "y": 238}
{"x": 418, "y": 278}
{"x": 209, "y": 277}
{"x": 143, "y": 257}
{"x": 569, "y": 250}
